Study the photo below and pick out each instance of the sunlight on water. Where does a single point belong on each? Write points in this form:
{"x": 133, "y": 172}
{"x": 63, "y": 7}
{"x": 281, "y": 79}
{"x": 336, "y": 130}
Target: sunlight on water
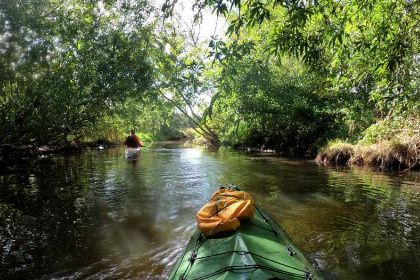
{"x": 100, "y": 215}
{"x": 191, "y": 153}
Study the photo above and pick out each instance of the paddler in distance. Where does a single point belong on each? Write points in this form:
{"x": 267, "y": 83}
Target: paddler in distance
{"x": 132, "y": 141}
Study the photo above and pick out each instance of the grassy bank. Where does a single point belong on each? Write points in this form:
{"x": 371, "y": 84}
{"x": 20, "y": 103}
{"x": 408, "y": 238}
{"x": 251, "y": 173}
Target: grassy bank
{"x": 395, "y": 153}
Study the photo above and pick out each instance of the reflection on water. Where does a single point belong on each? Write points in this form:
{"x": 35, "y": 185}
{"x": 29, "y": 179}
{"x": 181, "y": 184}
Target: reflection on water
{"x": 100, "y": 215}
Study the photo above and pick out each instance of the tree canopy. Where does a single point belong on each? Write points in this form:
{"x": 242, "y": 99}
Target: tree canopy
{"x": 288, "y": 75}
{"x": 67, "y": 64}
{"x": 365, "y": 53}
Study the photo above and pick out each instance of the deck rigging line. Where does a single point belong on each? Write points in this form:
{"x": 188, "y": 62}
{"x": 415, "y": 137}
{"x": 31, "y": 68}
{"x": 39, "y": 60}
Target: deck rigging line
{"x": 241, "y": 267}
{"x": 201, "y": 239}
{"x": 249, "y": 253}
{"x": 193, "y": 257}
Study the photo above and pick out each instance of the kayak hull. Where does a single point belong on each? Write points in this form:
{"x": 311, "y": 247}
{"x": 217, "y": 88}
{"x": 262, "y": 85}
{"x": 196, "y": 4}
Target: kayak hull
{"x": 258, "y": 249}
{"x": 132, "y": 151}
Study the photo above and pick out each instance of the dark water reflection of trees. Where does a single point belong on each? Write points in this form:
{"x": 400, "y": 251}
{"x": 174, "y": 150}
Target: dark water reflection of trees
{"x": 99, "y": 215}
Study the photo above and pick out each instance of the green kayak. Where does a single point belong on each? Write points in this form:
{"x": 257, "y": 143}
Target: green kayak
{"x": 258, "y": 249}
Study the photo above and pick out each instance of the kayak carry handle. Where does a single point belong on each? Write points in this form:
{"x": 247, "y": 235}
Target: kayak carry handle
{"x": 289, "y": 250}
{"x": 193, "y": 256}
{"x": 276, "y": 232}
{"x": 266, "y": 219}
{"x": 308, "y": 275}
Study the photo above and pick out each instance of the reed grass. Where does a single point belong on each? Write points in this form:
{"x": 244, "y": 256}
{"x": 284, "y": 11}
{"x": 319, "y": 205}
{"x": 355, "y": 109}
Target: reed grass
{"x": 398, "y": 153}
{"x": 336, "y": 152}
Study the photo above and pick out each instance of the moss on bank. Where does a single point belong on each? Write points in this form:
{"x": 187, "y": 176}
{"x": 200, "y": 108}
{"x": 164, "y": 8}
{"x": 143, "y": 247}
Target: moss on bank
{"x": 397, "y": 153}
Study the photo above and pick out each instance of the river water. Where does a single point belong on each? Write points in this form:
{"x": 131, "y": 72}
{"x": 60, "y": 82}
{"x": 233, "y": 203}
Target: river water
{"x": 98, "y": 215}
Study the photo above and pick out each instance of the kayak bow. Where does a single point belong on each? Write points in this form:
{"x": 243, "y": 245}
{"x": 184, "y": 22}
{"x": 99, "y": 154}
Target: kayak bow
{"x": 258, "y": 249}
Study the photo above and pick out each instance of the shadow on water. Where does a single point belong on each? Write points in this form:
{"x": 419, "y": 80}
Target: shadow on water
{"x": 101, "y": 215}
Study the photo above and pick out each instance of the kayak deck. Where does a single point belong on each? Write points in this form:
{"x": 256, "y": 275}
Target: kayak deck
{"x": 258, "y": 249}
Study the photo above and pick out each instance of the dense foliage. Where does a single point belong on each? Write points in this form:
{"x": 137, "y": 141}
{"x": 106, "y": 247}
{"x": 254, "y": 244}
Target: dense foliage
{"x": 372, "y": 44}
{"x": 290, "y": 75}
{"x": 365, "y": 54}
{"x": 68, "y": 65}
{"x": 263, "y": 104}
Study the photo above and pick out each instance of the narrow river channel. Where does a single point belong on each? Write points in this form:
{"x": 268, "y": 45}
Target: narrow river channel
{"x": 98, "y": 215}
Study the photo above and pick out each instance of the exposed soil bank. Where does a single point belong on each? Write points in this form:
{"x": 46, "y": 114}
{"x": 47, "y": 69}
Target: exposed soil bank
{"x": 390, "y": 154}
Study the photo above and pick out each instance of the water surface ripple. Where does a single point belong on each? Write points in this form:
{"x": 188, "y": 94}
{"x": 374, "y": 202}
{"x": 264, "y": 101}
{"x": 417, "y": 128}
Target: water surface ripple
{"x": 99, "y": 215}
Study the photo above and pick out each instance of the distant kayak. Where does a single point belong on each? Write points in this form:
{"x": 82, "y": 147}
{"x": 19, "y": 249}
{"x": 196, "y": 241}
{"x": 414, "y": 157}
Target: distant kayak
{"x": 132, "y": 151}
{"x": 258, "y": 249}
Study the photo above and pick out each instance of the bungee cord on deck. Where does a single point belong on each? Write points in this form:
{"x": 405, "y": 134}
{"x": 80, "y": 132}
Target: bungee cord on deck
{"x": 286, "y": 270}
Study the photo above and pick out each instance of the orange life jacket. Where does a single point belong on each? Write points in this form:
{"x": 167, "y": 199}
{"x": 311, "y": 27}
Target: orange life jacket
{"x": 130, "y": 141}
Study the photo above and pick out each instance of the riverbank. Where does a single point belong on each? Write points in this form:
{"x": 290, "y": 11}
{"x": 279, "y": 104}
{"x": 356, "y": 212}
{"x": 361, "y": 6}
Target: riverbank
{"x": 14, "y": 157}
{"x": 397, "y": 153}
